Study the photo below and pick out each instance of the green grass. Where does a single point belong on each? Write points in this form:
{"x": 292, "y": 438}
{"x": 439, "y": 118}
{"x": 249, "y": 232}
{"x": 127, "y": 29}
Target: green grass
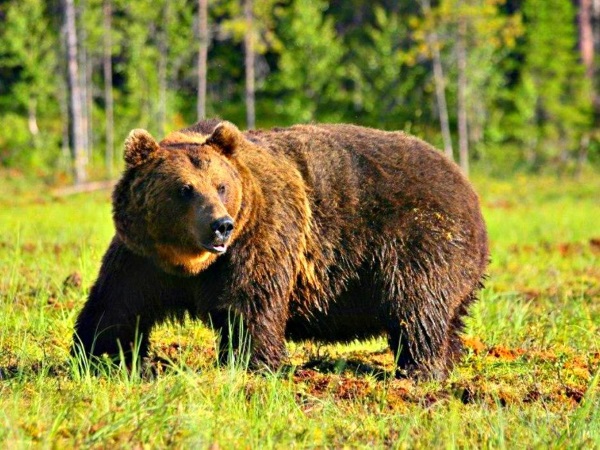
{"x": 529, "y": 378}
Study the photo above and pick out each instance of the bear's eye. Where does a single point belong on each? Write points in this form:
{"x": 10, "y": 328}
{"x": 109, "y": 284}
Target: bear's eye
{"x": 186, "y": 191}
{"x": 221, "y": 189}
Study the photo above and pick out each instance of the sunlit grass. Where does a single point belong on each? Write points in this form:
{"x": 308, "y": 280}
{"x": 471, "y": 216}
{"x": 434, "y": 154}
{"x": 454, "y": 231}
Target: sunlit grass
{"x": 529, "y": 377}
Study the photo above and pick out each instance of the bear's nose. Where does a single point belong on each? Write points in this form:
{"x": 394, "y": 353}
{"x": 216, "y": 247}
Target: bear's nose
{"x": 222, "y": 227}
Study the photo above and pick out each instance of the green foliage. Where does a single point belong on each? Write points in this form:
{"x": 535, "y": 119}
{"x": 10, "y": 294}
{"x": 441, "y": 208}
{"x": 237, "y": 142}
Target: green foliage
{"x": 528, "y": 103}
{"x": 141, "y": 87}
{"x": 490, "y": 36}
{"x": 386, "y": 76}
{"x": 309, "y": 69}
{"x": 28, "y": 94}
{"x": 552, "y": 100}
{"x": 18, "y": 148}
{"x": 27, "y": 44}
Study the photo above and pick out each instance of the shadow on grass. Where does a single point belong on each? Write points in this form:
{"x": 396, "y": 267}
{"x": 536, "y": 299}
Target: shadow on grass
{"x": 159, "y": 366}
{"x": 15, "y": 371}
{"x": 353, "y": 366}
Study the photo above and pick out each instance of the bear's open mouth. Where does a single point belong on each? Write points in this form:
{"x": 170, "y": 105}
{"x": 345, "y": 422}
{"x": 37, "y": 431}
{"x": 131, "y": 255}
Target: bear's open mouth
{"x": 213, "y": 248}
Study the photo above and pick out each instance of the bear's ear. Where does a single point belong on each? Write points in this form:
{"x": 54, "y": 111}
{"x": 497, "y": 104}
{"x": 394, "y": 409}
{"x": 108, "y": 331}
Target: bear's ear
{"x": 227, "y": 138}
{"x": 140, "y": 146}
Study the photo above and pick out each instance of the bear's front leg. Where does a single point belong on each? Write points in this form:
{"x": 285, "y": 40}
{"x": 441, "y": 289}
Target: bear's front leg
{"x": 267, "y": 341}
{"x": 123, "y": 305}
{"x": 262, "y": 334}
{"x": 264, "y": 317}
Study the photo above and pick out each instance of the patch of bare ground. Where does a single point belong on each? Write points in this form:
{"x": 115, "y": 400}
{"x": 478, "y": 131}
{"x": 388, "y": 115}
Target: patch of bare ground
{"x": 564, "y": 249}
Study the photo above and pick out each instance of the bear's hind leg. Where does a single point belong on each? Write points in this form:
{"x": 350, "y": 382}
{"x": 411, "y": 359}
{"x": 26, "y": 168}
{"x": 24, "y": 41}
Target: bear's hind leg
{"x": 417, "y": 309}
{"x": 457, "y": 326}
{"x": 419, "y": 350}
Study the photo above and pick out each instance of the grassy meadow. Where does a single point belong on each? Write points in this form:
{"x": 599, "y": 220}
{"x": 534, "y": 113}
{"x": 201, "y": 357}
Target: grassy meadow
{"x": 529, "y": 377}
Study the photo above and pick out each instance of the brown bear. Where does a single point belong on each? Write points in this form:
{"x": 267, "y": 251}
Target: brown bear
{"x": 323, "y": 232}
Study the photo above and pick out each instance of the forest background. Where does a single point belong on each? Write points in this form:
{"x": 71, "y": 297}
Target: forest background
{"x": 507, "y": 85}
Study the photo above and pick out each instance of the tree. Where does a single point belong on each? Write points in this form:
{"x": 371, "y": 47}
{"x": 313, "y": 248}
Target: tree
{"x": 108, "y": 86}
{"x": 203, "y": 42}
{"x": 27, "y": 51}
{"x": 139, "y": 26}
{"x": 309, "y": 67}
{"x": 474, "y": 37}
{"x": 586, "y": 37}
{"x": 157, "y": 58}
{"x": 85, "y": 71}
{"x": 249, "y": 63}
{"x": 439, "y": 80}
{"x": 461, "y": 100}
{"x": 75, "y": 98}
{"x": 387, "y": 84}
{"x": 163, "y": 61}
{"x": 552, "y": 76}
{"x": 249, "y": 27}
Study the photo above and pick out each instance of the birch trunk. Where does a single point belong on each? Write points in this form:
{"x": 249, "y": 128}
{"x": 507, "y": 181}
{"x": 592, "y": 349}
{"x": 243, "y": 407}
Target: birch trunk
{"x": 108, "y": 89}
{"x": 83, "y": 70}
{"x": 440, "y": 85}
{"x": 202, "y": 56}
{"x": 463, "y": 126}
{"x": 249, "y": 64}
{"x": 163, "y": 48}
{"x": 586, "y": 37}
{"x": 75, "y": 98}
{"x": 89, "y": 103}
{"x": 586, "y": 47}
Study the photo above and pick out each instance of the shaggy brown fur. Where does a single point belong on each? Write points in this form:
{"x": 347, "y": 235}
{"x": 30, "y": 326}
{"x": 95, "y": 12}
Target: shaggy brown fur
{"x": 339, "y": 233}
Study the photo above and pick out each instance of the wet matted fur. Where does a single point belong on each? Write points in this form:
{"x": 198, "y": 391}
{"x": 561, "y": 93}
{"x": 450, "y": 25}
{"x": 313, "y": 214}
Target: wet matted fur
{"x": 339, "y": 233}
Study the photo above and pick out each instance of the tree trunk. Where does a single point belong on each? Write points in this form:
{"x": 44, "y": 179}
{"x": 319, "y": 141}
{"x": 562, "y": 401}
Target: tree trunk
{"x": 89, "y": 97}
{"x": 108, "y": 89}
{"x": 32, "y": 122}
{"x": 83, "y": 70}
{"x": 63, "y": 101}
{"x": 76, "y": 131}
{"x": 249, "y": 64}
{"x": 202, "y": 56}
{"x": 586, "y": 46}
{"x": 586, "y": 37}
{"x": 594, "y": 21}
{"x": 463, "y": 131}
{"x": 163, "y": 48}
{"x": 584, "y": 145}
{"x": 440, "y": 85}
{"x": 32, "y": 118}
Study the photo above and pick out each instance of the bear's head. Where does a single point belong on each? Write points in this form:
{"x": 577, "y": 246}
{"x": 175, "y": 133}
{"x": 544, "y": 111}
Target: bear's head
{"x": 178, "y": 200}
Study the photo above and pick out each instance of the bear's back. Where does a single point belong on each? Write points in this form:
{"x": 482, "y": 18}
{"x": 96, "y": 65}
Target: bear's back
{"x": 348, "y": 166}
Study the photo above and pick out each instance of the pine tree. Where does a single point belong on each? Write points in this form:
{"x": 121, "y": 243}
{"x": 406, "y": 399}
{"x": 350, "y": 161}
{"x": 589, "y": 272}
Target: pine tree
{"x": 552, "y": 77}
{"x": 28, "y": 52}
{"x": 309, "y": 68}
